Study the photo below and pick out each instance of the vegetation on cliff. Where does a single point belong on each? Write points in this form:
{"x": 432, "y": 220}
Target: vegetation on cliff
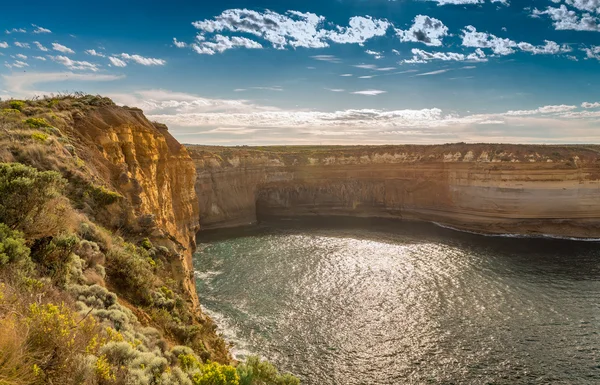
{"x": 86, "y": 298}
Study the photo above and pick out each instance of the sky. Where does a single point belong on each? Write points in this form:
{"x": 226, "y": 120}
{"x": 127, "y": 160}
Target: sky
{"x": 266, "y": 72}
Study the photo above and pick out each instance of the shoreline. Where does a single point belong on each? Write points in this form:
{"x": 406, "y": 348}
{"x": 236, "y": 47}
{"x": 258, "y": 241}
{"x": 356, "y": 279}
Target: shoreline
{"x": 341, "y": 221}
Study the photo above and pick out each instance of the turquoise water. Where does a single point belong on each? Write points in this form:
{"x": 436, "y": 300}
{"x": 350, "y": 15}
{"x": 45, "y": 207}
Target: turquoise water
{"x": 402, "y": 303}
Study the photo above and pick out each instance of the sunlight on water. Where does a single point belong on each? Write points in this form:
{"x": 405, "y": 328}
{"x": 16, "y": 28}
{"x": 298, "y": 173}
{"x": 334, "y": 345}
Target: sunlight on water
{"x": 413, "y": 305}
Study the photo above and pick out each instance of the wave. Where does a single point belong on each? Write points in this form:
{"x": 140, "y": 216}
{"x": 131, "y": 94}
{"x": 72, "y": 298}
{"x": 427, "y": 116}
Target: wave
{"x": 522, "y": 236}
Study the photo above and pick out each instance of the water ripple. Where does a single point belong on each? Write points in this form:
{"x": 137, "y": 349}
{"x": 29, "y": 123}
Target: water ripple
{"x": 416, "y": 305}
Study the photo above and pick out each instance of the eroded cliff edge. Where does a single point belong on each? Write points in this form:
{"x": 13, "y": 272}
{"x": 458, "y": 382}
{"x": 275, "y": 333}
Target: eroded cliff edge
{"x": 521, "y": 189}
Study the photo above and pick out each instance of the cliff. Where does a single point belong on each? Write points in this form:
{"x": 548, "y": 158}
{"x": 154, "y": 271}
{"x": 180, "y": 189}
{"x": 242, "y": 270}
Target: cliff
{"x": 522, "y": 189}
{"x": 115, "y": 218}
{"x": 145, "y": 164}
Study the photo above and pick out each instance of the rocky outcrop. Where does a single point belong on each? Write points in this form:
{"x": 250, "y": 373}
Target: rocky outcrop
{"x": 155, "y": 174}
{"x": 552, "y": 190}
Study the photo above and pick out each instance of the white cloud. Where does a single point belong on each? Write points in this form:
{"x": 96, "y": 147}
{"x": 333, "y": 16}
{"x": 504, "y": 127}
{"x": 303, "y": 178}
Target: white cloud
{"x": 500, "y": 46}
{"x": 40, "y": 46}
{"x": 590, "y": 105}
{"x": 327, "y": 58}
{"x": 585, "y": 5}
{"x": 3, "y": 44}
{"x": 21, "y": 56}
{"x": 592, "y": 53}
{"x": 293, "y": 29}
{"x": 16, "y": 64}
{"x": 40, "y": 58}
{"x": 145, "y": 61}
{"x": 227, "y": 121}
{"x": 543, "y": 110}
{"x": 74, "y": 64}
{"x": 346, "y": 75}
{"x": 433, "y": 73}
{"x": 566, "y": 19}
{"x": 426, "y": 30}
{"x": 335, "y": 89}
{"x": 15, "y": 30}
{"x": 421, "y": 56}
{"x": 117, "y": 62}
{"x": 360, "y": 30}
{"x": 222, "y": 43}
{"x": 93, "y": 52}
{"x": 179, "y": 44}
{"x": 39, "y": 29}
{"x": 550, "y": 48}
{"x": 369, "y": 92}
{"x": 21, "y": 84}
{"x": 61, "y": 48}
{"x": 376, "y": 55}
{"x": 21, "y": 45}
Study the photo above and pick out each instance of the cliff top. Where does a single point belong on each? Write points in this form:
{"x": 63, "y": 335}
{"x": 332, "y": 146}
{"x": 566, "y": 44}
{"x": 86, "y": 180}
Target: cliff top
{"x": 556, "y": 155}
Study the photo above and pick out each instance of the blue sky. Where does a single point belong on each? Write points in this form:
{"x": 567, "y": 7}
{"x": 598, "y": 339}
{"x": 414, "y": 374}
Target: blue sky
{"x": 326, "y": 71}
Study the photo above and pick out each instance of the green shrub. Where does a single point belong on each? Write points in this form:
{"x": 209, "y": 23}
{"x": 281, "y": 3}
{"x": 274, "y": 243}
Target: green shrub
{"x": 10, "y": 112}
{"x": 37, "y": 122}
{"x": 54, "y": 257}
{"x": 53, "y": 103}
{"x": 146, "y": 244}
{"x": 103, "y": 196}
{"x": 12, "y": 246}
{"x": 26, "y": 194}
{"x": 128, "y": 268}
{"x": 39, "y": 136}
{"x": 255, "y": 372}
{"x": 16, "y": 104}
{"x": 213, "y": 373}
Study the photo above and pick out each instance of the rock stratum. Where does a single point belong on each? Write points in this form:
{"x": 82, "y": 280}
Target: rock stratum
{"x": 516, "y": 189}
{"x": 153, "y": 171}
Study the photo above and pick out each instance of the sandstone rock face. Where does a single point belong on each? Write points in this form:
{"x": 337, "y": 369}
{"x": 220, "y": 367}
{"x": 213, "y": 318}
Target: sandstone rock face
{"x": 144, "y": 163}
{"x": 552, "y": 190}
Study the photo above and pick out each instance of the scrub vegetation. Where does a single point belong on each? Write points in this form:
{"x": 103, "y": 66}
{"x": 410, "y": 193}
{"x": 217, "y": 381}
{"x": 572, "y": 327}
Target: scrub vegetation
{"x": 83, "y": 302}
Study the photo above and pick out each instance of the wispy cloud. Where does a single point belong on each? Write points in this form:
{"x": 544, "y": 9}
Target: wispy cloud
{"x": 15, "y": 30}
{"x": 39, "y": 29}
{"x": 74, "y": 64}
{"x": 145, "y": 61}
{"x": 61, "y": 48}
{"x": 327, "y": 58}
{"x": 433, "y": 72}
{"x": 117, "y": 62}
{"x": 21, "y": 44}
{"x": 93, "y": 52}
{"x": 369, "y": 92}
{"x": 40, "y": 46}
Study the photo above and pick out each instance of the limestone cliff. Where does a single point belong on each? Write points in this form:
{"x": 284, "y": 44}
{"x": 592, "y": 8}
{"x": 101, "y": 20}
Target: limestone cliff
{"x": 522, "y": 189}
{"x": 144, "y": 163}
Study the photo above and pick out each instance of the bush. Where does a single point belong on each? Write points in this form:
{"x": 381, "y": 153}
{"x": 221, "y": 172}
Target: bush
{"x": 9, "y": 112}
{"x": 26, "y": 195}
{"x": 216, "y": 374}
{"x": 129, "y": 269}
{"x": 255, "y": 372}
{"x": 39, "y": 136}
{"x": 54, "y": 256}
{"x": 12, "y": 247}
{"x": 37, "y": 122}
{"x": 103, "y": 196}
{"x": 16, "y": 104}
